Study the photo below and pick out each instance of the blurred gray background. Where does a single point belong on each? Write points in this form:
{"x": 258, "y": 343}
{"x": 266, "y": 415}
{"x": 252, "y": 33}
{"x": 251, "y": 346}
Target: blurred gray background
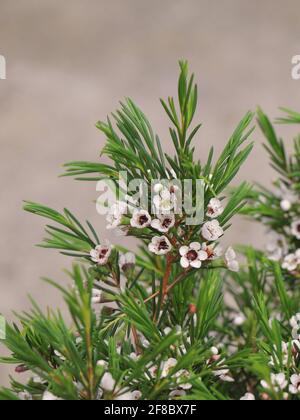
{"x": 68, "y": 64}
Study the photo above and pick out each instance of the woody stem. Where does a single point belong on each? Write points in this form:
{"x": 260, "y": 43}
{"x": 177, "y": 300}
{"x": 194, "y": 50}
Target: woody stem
{"x": 166, "y": 277}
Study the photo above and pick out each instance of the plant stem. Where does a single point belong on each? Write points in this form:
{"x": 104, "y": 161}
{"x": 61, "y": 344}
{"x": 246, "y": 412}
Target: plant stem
{"x": 166, "y": 277}
{"x": 169, "y": 288}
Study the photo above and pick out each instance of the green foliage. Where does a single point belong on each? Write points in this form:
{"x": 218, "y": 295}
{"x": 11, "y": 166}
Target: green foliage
{"x": 157, "y": 326}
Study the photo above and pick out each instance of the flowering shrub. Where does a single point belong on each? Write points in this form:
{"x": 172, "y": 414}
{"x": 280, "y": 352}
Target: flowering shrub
{"x": 154, "y": 325}
{"x": 278, "y": 210}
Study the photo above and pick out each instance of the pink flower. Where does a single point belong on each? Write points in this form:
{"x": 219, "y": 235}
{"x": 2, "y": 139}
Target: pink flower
{"x": 101, "y": 254}
{"x": 192, "y": 255}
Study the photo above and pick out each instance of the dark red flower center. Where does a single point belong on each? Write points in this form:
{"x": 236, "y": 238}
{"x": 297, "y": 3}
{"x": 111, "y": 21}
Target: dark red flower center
{"x": 103, "y": 253}
{"x": 166, "y": 223}
{"x": 143, "y": 220}
{"x": 192, "y": 255}
{"x": 163, "y": 245}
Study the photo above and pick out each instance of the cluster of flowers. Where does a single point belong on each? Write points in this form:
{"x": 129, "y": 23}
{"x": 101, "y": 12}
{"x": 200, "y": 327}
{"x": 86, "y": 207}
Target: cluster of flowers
{"x": 290, "y": 353}
{"x": 179, "y": 378}
{"x": 192, "y": 255}
{"x": 283, "y": 246}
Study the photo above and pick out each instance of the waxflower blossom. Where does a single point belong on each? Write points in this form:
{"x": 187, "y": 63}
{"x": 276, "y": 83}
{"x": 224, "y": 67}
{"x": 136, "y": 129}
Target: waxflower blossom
{"x": 295, "y": 229}
{"x": 160, "y": 245}
{"x": 101, "y": 254}
{"x": 140, "y": 219}
{"x": 25, "y": 396}
{"x": 294, "y": 388}
{"x": 231, "y": 261}
{"x": 212, "y": 251}
{"x": 248, "y": 397}
{"x": 215, "y": 208}
{"x": 276, "y": 247}
{"x": 115, "y": 214}
{"x": 287, "y": 197}
{"x": 291, "y": 261}
{"x": 192, "y": 255}
{"x": 181, "y": 376}
{"x": 285, "y": 205}
{"x": 164, "y": 199}
{"x": 295, "y": 321}
{"x": 177, "y": 393}
{"x": 221, "y": 371}
{"x": 107, "y": 382}
{"x": 212, "y": 231}
{"x": 223, "y": 375}
{"x": 278, "y": 381}
{"x": 127, "y": 261}
{"x": 295, "y": 324}
{"x": 129, "y": 396}
{"x": 168, "y": 366}
{"x": 96, "y": 296}
{"x": 239, "y": 320}
{"x": 164, "y": 223}
{"x": 48, "y": 396}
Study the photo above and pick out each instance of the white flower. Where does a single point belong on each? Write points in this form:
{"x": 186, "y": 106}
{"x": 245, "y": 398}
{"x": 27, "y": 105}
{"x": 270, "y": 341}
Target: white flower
{"x": 239, "y": 320}
{"x": 153, "y": 371}
{"x": 158, "y": 188}
{"x": 192, "y": 255}
{"x": 25, "y": 396}
{"x": 101, "y": 254}
{"x": 107, "y": 382}
{"x": 215, "y": 208}
{"x": 102, "y": 363}
{"x": 287, "y": 196}
{"x": 214, "y": 351}
{"x": 295, "y": 324}
{"x": 127, "y": 261}
{"x": 212, "y": 251}
{"x": 295, "y": 228}
{"x": 291, "y": 261}
{"x": 164, "y": 223}
{"x": 115, "y": 214}
{"x": 177, "y": 393}
{"x": 231, "y": 261}
{"x": 212, "y": 231}
{"x": 134, "y": 356}
{"x": 278, "y": 381}
{"x": 223, "y": 375}
{"x": 160, "y": 245}
{"x": 47, "y": 396}
{"x": 285, "y": 205}
{"x": 294, "y": 388}
{"x": 165, "y": 199}
{"x": 96, "y": 296}
{"x": 140, "y": 219}
{"x": 168, "y": 366}
{"x": 181, "y": 376}
{"x": 276, "y": 247}
{"x": 295, "y": 321}
{"x": 248, "y": 397}
{"x": 129, "y": 396}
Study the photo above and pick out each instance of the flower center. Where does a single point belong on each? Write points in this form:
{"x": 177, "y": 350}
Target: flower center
{"x": 210, "y": 252}
{"x": 143, "y": 220}
{"x": 192, "y": 255}
{"x": 166, "y": 223}
{"x": 298, "y": 228}
{"x": 163, "y": 245}
{"x": 103, "y": 253}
